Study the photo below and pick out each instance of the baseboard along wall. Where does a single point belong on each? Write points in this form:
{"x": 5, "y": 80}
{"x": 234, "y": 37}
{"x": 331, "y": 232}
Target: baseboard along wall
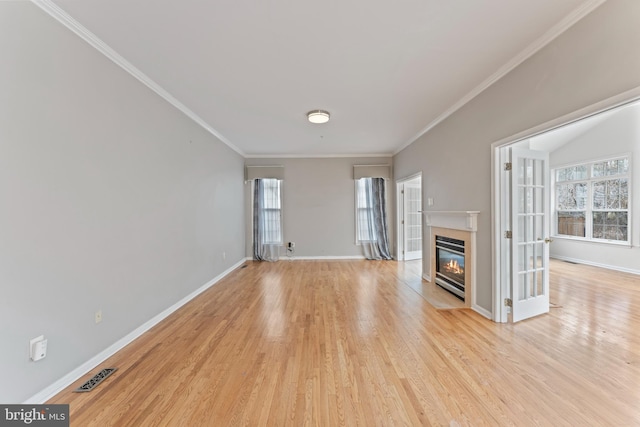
{"x": 64, "y": 382}
{"x": 596, "y": 264}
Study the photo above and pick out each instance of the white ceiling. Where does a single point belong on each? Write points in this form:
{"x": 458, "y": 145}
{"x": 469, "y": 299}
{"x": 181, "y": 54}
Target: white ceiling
{"x": 552, "y": 140}
{"x": 387, "y": 71}
{"x": 556, "y": 138}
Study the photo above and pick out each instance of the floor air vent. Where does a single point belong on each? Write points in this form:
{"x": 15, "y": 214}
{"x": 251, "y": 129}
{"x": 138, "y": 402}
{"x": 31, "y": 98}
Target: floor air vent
{"x": 97, "y": 379}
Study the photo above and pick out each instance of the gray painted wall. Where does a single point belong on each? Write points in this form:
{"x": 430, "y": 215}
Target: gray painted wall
{"x": 595, "y": 59}
{"x": 319, "y": 205}
{"x": 111, "y": 199}
{"x": 619, "y": 134}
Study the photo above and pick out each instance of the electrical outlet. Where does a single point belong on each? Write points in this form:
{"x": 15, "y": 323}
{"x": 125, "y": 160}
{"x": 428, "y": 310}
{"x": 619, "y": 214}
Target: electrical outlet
{"x": 38, "y": 348}
{"x": 224, "y": 256}
{"x": 98, "y": 316}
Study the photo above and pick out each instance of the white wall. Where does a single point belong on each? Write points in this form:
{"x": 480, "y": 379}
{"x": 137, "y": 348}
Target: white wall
{"x": 618, "y": 134}
{"x": 595, "y": 59}
{"x": 319, "y": 205}
{"x": 111, "y": 199}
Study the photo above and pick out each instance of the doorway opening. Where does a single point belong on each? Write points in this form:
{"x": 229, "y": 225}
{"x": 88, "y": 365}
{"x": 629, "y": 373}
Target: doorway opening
{"x": 530, "y": 203}
{"x": 409, "y": 209}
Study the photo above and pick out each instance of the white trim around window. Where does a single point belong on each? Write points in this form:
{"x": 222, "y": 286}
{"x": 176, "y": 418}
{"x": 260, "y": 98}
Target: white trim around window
{"x": 362, "y": 211}
{"x": 592, "y": 200}
{"x": 272, "y": 211}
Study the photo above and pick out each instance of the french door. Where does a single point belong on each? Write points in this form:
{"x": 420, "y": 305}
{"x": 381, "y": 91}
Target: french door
{"x": 412, "y": 220}
{"x": 529, "y": 233}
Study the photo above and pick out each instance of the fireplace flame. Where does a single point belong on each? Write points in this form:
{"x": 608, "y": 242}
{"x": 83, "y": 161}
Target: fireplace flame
{"x": 453, "y": 267}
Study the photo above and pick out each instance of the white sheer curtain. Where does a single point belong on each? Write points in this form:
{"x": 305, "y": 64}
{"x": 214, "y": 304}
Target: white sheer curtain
{"x": 267, "y": 219}
{"x": 372, "y": 218}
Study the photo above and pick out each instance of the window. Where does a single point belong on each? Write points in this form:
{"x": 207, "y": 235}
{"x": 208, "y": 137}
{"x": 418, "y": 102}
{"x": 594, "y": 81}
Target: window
{"x": 364, "y": 211}
{"x": 271, "y": 211}
{"x": 592, "y": 200}
{"x": 371, "y": 218}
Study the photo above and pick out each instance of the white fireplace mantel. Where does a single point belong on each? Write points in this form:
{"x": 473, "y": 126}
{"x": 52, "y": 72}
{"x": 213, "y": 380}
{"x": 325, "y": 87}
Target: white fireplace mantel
{"x": 461, "y": 225}
{"x": 457, "y": 220}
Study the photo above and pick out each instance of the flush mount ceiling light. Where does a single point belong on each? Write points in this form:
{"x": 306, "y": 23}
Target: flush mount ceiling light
{"x": 318, "y": 116}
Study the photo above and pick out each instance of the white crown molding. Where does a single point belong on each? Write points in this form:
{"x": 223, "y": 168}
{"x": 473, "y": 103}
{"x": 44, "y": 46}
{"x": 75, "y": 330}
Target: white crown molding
{"x": 562, "y": 26}
{"x": 65, "y": 19}
{"x": 312, "y": 156}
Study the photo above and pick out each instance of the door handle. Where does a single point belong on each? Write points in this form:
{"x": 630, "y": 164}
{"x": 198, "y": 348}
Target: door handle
{"x": 548, "y": 240}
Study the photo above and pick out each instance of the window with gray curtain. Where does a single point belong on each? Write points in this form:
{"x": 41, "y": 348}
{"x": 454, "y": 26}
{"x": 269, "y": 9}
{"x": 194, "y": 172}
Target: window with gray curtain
{"x": 363, "y": 210}
{"x": 272, "y": 211}
{"x": 371, "y": 218}
{"x": 267, "y": 219}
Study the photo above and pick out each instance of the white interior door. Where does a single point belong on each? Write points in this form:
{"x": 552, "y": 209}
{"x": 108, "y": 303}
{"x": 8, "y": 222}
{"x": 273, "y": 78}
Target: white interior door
{"x": 530, "y": 233}
{"x": 412, "y": 220}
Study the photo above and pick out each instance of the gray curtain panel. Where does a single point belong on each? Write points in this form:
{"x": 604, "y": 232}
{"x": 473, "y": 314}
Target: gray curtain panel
{"x": 377, "y": 246}
{"x": 262, "y": 251}
{"x": 380, "y": 216}
{"x": 258, "y": 199}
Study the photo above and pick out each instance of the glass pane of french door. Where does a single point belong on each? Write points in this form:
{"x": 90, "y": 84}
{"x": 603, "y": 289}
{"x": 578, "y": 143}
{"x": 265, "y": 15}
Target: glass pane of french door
{"x": 530, "y": 231}
{"x": 413, "y": 220}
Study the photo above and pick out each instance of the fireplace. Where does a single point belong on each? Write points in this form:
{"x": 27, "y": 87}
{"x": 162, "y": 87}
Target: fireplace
{"x": 455, "y": 271}
{"x": 450, "y": 264}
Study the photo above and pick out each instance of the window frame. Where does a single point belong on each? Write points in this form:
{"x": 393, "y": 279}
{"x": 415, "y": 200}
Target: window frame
{"x": 358, "y": 241}
{"x": 280, "y": 210}
{"x": 589, "y": 208}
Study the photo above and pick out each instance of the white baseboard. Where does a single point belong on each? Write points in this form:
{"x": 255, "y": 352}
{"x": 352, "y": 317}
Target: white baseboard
{"x": 55, "y": 388}
{"x": 597, "y": 264}
{"x": 474, "y": 307}
{"x": 329, "y": 257}
{"x": 481, "y": 311}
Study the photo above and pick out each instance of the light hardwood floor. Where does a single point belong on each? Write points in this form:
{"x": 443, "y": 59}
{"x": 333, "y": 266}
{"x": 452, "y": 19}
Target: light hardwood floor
{"x": 349, "y": 343}
{"x": 410, "y": 273}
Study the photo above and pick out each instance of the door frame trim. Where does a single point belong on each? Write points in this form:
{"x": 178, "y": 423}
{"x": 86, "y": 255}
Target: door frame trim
{"x": 400, "y": 213}
{"x": 500, "y": 282}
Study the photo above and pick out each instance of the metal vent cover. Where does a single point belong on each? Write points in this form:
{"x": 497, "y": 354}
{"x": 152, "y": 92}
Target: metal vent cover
{"x": 95, "y": 380}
